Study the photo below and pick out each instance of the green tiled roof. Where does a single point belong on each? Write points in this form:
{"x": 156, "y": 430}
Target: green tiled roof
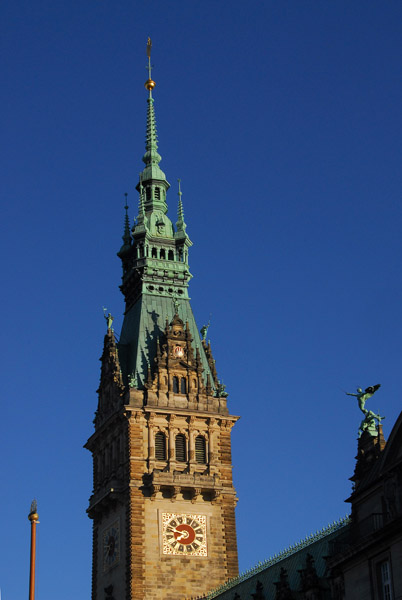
{"x": 143, "y": 324}
{"x": 292, "y": 559}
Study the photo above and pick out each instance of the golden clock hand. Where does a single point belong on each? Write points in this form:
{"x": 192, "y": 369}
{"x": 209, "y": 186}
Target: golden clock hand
{"x": 183, "y": 533}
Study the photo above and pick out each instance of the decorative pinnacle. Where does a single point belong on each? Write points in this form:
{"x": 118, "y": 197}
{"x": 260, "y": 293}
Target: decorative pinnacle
{"x": 141, "y": 209}
{"x": 126, "y": 235}
{"x": 150, "y": 83}
{"x": 181, "y": 226}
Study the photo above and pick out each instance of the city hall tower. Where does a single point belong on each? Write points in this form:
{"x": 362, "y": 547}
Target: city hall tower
{"x": 163, "y": 502}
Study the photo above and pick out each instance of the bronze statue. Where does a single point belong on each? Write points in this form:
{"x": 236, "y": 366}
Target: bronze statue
{"x": 370, "y": 420}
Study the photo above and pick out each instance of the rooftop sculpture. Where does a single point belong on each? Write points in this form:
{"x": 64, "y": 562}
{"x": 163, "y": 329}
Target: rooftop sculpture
{"x": 371, "y": 420}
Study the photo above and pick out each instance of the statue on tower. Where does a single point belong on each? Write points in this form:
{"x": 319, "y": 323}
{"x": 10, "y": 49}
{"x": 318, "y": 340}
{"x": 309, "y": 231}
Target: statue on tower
{"x": 109, "y": 319}
{"x": 371, "y": 420}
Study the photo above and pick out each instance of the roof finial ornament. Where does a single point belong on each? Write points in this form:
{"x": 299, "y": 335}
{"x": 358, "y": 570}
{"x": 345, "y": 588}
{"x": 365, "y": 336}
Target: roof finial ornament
{"x": 181, "y": 226}
{"x": 150, "y": 83}
{"x": 109, "y": 319}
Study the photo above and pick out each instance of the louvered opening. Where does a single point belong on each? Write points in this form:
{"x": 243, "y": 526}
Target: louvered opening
{"x": 157, "y": 193}
{"x": 160, "y": 446}
{"x": 200, "y": 450}
{"x": 180, "y": 448}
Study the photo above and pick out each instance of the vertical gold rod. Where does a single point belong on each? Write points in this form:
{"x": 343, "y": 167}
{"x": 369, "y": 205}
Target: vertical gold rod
{"x": 32, "y": 562}
{"x": 33, "y": 517}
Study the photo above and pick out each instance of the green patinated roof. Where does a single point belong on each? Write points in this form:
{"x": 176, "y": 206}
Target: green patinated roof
{"x": 143, "y": 324}
{"x": 292, "y": 559}
{"x": 161, "y": 281}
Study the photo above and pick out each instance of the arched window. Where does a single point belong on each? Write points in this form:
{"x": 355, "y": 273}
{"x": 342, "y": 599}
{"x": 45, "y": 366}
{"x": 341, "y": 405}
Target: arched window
{"x": 154, "y": 253}
{"x": 200, "y": 450}
{"x": 183, "y": 386}
{"x": 170, "y": 255}
{"x": 175, "y": 384}
{"x": 160, "y": 446}
{"x": 162, "y": 254}
{"x": 180, "y": 446}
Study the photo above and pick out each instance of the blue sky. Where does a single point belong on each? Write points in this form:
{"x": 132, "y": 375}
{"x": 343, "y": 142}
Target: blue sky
{"x": 283, "y": 121}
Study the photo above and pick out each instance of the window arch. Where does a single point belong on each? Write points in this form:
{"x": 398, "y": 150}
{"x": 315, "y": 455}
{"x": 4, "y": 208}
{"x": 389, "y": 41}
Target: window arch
{"x": 160, "y": 446}
{"x": 175, "y": 384}
{"x": 162, "y": 254}
{"x": 180, "y": 447}
{"x": 154, "y": 253}
{"x": 200, "y": 450}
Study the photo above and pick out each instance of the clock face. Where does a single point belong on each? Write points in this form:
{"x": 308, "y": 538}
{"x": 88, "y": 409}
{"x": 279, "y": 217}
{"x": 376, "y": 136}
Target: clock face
{"x": 178, "y": 352}
{"x": 184, "y": 535}
{"x": 111, "y": 546}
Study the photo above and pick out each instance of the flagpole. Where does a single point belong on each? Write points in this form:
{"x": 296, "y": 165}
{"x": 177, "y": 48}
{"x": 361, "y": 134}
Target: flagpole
{"x": 34, "y": 518}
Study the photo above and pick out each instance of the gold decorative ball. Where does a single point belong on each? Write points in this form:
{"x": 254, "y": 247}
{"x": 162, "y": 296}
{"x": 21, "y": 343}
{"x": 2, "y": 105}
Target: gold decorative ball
{"x": 150, "y": 84}
{"x": 33, "y": 516}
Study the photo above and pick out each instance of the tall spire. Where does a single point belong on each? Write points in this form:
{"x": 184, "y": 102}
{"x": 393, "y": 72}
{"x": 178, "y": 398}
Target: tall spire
{"x": 152, "y": 173}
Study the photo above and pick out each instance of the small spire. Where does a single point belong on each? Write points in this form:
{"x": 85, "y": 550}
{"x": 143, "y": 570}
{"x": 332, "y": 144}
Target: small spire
{"x": 181, "y": 226}
{"x": 126, "y": 233}
{"x": 141, "y": 207}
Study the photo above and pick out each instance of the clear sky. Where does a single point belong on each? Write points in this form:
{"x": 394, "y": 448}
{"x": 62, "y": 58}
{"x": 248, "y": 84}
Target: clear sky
{"x": 283, "y": 121}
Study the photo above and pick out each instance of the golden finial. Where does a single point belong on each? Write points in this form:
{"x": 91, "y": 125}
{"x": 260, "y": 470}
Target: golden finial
{"x": 33, "y": 515}
{"x": 150, "y": 83}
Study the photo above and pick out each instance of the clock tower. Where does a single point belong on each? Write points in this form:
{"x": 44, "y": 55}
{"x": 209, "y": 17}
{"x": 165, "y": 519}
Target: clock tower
{"x": 163, "y": 502}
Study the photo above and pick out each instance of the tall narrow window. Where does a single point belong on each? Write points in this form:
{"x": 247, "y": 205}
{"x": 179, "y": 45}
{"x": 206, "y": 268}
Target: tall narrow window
{"x": 385, "y": 581}
{"x": 200, "y": 450}
{"x": 183, "y": 387}
{"x": 157, "y": 193}
{"x": 170, "y": 255}
{"x": 175, "y": 384}
{"x": 154, "y": 253}
{"x": 180, "y": 444}
{"x": 162, "y": 254}
{"x": 148, "y": 193}
{"x": 160, "y": 446}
